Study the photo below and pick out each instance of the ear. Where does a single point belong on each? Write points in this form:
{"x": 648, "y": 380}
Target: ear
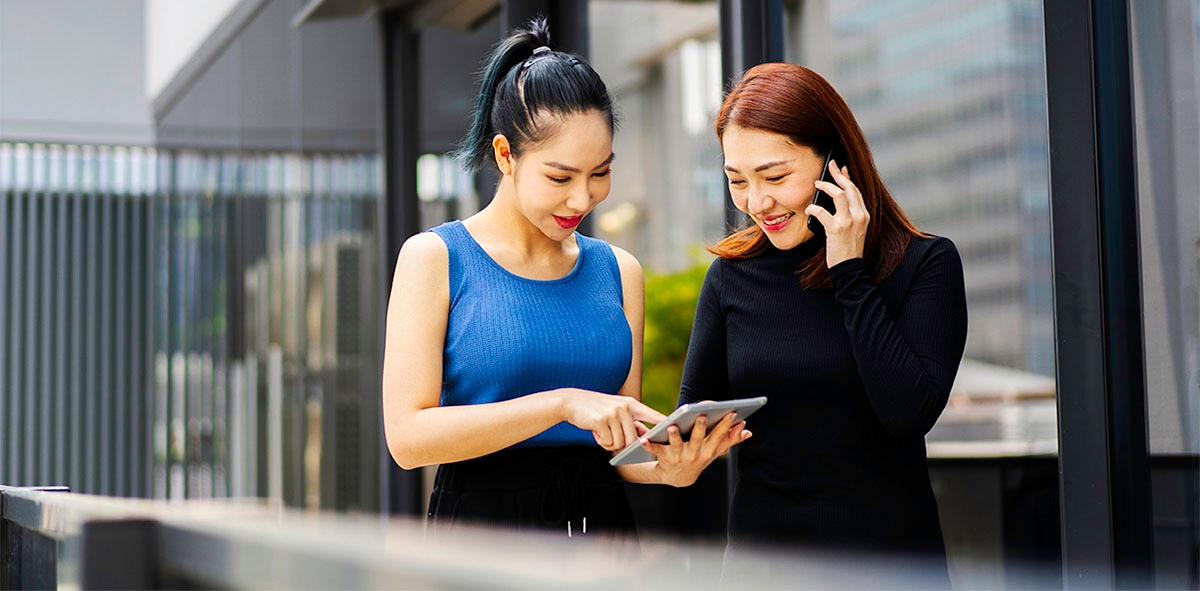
{"x": 503, "y": 154}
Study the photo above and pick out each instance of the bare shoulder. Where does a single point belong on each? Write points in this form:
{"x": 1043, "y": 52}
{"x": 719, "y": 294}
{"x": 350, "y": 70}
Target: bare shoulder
{"x": 424, "y": 260}
{"x": 627, "y": 263}
{"x": 424, "y": 246}
{"x": 423, "y": 251}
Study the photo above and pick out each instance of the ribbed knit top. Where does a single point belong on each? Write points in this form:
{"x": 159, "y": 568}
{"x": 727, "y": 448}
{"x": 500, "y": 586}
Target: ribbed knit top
{"x": 855, "y": 376}
{"x": 509, "y": 336}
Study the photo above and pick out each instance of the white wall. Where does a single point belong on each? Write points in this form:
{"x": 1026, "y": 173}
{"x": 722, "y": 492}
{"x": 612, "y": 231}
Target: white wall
{"x": 174, "y": 30}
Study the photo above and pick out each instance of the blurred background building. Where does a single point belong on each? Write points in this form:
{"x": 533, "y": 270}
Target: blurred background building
{"x": 191, "y": 252}
{"x": 201, "y": 201}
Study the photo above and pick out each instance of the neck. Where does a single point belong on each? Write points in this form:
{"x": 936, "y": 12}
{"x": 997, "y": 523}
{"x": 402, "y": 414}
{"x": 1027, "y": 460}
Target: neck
{"x": 506, "y": 223}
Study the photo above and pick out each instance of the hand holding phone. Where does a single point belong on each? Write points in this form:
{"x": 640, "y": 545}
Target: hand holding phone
{"x": 822, "y": 198}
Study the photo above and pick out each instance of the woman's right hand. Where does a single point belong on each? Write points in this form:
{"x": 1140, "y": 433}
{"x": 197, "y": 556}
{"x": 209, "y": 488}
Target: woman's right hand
{"x": 612, "y": 418}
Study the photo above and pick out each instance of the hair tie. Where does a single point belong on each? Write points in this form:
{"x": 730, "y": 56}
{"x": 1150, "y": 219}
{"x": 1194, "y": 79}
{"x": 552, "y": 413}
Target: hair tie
{"x": 539, "y": 54}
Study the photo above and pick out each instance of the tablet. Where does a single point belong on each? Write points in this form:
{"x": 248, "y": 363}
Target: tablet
{"x": 684, "y": 417}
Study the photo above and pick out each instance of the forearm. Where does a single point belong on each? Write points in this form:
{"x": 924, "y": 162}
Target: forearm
{"x": 643, "y": 473}
{"x": 908, "y": 363}
{"x": 444, "y": 434}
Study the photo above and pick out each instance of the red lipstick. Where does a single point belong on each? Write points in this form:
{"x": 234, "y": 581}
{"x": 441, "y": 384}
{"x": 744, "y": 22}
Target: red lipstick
{"x": 568, "y": 222}
{"x": 780, "y": 222}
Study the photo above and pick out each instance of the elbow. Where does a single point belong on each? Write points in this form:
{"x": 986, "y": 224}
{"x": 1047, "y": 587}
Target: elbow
{"x": 918, "y": 421}
{"x": 404, "y": 453}
{"x": 404, "y": 458}
{"x": 910, "y": 427}
{"x": 401, "y": 437}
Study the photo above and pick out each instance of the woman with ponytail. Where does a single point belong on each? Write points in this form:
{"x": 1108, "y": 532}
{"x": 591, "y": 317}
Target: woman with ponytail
{"x": 851, "y": 321}
{"x": 514, "y": 343}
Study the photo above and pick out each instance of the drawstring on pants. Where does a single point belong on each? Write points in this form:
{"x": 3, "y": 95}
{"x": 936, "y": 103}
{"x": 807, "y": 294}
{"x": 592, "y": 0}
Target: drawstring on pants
{"x": 564, "y": 490}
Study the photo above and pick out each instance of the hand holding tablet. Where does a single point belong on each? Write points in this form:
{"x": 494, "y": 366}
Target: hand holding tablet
{"x": 684, "y": 418}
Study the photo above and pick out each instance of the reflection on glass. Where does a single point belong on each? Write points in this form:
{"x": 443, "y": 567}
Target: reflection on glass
{"x": 951, "y": 96}
{"x": 1166, "y": 70}
{"x": 1165, "y": 39}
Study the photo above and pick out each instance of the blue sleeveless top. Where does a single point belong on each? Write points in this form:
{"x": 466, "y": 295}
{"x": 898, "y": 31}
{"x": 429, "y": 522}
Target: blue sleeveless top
{"x": 509, "y": 336}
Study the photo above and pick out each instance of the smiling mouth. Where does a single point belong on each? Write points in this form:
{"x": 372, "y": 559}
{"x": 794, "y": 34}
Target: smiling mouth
{"x": 568, "y": 221}
{"x": 776, "y": 223}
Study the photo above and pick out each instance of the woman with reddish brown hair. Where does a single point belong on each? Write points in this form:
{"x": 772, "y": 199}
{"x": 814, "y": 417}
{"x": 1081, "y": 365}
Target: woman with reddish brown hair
{"x": 852, "y": 322}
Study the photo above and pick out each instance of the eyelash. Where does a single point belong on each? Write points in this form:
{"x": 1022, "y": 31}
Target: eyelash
{"x": 774, "y": 179}
{"x": 564, "y": 180}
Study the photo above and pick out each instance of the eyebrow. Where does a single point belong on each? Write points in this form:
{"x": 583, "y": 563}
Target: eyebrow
{"x": 565, "y": 168}
{"x": 760, "y": 167}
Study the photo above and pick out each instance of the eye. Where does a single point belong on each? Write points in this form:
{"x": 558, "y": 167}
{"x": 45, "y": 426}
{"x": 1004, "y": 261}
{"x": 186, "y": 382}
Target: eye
{"x": 559, "y": 180}
{"x": 600, "y": 175}
{"x": 776, "y": 179}
{"x": 736, "y": 183}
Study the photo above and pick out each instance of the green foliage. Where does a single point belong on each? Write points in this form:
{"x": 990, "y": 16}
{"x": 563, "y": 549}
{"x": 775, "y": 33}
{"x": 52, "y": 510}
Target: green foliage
{"x": 670, "y": 310}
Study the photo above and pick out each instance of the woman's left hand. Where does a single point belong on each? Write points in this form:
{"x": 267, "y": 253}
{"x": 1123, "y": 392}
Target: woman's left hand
{"x": 681, "y": 462}
{"x": 846, "y": 230}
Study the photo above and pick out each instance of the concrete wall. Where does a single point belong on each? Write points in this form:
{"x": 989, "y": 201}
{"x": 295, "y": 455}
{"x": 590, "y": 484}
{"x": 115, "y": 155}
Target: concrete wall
{"x": 73, "y": 71}
{"x": 175, "y": 29}
{"x": 273, "y": 87}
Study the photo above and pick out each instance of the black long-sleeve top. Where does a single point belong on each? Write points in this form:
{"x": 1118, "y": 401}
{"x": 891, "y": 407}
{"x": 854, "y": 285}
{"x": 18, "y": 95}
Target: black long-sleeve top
{"x": 855, "y": 377}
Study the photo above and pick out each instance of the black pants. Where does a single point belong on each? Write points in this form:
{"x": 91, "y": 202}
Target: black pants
{"x": 572, "y": 490}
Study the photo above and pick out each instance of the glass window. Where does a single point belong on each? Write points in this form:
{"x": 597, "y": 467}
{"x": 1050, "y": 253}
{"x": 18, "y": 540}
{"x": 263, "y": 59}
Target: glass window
{"x": 951, "y": 95}
{"x": 1166, "y": 73}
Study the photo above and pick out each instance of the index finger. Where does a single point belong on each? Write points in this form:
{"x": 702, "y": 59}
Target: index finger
{"x": 837, "y": 193}
{"x": 628, "y": 428}
{"x": 842, "y": 176}
{"x": 641, "y": 412}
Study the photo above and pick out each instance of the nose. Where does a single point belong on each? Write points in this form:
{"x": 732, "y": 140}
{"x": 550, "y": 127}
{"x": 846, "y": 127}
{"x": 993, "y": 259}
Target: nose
{"x": 580, "y": 199}
{"x": 759, "y": 202}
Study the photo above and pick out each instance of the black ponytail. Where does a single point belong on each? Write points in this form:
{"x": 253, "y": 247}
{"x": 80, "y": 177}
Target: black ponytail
{"x": 519, "y": 88}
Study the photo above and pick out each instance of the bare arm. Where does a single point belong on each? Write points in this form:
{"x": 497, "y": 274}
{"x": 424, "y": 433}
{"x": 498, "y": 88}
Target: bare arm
{"x": 420, "y": 432}
{"x": 633, "y": 286}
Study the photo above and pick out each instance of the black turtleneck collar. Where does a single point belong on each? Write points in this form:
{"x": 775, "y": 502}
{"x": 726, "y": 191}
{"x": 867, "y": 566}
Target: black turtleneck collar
{"x": 789, "y": 260}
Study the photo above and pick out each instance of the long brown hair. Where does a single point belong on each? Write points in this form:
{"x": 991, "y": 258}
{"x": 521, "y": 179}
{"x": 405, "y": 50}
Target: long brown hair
{"x": 798, "y": 103}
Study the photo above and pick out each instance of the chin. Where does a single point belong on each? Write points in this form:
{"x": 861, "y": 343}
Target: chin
{"x": 557, "y": 233}
{"x": 784, "y": 242}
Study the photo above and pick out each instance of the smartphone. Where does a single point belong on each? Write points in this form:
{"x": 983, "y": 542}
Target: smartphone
{"x": 822, "y": 198}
